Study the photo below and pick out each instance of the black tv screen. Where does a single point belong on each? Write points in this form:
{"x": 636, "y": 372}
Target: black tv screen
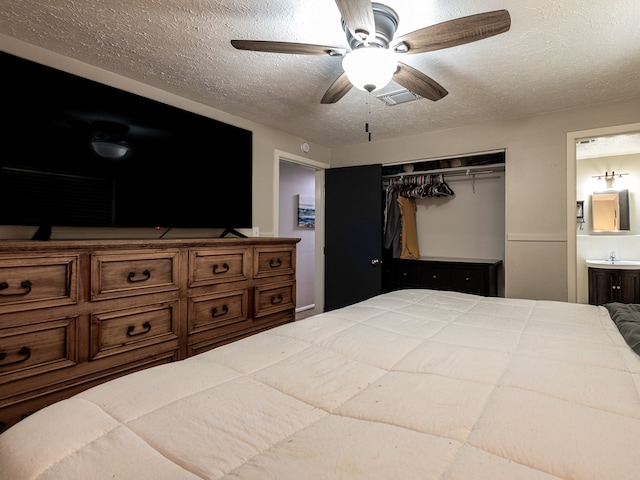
{"x": 62, "y": 137}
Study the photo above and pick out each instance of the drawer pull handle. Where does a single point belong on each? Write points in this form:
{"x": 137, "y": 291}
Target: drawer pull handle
{"x": 224, "y": 265}
{"x": 26, "y": 351}
{"x": 275, "y": 263}
{"x": 131, "y": 328}
{"x": 276, "y": 299}
{"x": 146, "y": 273}
{"x": 24, "y": 284}
{"x": 215, "y": 313}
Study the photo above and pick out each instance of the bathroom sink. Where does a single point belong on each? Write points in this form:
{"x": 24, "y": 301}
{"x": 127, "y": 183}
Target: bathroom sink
{"x": 626, "y": 264}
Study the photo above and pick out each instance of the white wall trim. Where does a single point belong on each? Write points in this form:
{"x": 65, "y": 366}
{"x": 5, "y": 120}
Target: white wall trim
{"x": 282, "y": 155}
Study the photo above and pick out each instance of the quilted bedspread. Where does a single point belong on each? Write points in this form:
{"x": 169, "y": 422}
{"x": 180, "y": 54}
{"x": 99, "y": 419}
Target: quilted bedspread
{"x": 413, "y": 384}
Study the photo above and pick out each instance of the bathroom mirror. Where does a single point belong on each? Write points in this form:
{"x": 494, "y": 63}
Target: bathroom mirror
{"x": 610, "y": 211}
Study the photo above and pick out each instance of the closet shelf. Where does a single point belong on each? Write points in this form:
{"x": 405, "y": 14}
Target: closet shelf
{"x": 452, "y": 171}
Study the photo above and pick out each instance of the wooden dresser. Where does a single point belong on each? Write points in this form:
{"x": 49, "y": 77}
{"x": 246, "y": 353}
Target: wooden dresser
{"x": 74, "y": 314}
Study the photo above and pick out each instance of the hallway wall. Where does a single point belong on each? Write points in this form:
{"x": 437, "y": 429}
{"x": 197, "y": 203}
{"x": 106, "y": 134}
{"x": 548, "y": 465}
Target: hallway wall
{"x": 296, "y": 180}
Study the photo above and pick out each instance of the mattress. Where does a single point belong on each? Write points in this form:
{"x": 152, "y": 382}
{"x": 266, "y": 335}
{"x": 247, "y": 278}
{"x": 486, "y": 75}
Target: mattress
{"x": 412, "y": 384}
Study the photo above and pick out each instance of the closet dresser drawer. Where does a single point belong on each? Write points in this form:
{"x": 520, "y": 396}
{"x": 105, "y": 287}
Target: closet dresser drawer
{"x": 469, "y": 280}
{"x": 37, "y": 282}
{"x": 436, "y": 276}
{"x": 133, "y": 273}
{"x": 407, "y": 273}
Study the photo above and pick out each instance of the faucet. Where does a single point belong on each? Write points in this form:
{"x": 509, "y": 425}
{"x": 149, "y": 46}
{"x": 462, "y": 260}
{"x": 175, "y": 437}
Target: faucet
{"x": 612, "y": 257}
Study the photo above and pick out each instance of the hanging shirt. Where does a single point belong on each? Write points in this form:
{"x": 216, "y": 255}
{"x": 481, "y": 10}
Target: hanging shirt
{"x": 392, "y": 222}
{"x": 409, "y": 231}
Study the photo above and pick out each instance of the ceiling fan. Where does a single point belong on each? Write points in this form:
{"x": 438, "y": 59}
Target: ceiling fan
{"x": 370, "y": 29}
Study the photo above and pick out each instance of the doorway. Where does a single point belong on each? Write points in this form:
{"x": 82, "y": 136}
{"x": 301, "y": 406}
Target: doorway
{"x": 300, "y": 185}
{"x": 576, "y": 251}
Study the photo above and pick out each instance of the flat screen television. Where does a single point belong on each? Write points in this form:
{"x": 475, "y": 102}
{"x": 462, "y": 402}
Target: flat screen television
{"x": 79, "y": 153}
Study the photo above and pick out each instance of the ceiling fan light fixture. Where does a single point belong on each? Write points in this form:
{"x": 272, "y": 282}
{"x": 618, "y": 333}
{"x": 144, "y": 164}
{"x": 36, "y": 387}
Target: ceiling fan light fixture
{"x": 110, "y": 150}
{"x": 370, "y": 68}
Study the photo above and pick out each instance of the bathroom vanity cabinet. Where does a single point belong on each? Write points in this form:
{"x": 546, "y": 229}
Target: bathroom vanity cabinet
{"x": 607, "y": 285}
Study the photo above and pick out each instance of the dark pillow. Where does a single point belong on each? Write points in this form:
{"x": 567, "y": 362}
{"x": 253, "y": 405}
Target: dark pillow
{"x": 627, "y": 318}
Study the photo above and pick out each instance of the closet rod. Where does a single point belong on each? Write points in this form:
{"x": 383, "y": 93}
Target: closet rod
{"x": 451, "y": 172}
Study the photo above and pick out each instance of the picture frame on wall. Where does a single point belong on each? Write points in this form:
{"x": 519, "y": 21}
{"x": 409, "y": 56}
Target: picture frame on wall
{"x": 306, "y": 212}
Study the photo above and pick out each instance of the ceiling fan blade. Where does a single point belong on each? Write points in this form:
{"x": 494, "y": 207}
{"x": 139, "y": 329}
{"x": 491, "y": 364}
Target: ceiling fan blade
{"x": 454, "y": 32}
{"x": 418, "y": 82}
{"x": 288, "y": 47}
{"x": 358, "y": 17}
{"x": 337, "y": 90}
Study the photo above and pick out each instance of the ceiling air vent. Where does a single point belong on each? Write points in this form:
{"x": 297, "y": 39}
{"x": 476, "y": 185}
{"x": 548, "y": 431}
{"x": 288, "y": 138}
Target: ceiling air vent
{"x": 398, "y": 97}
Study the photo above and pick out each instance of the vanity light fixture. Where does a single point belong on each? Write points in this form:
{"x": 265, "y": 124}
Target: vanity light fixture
{"x": 608, "y": 176}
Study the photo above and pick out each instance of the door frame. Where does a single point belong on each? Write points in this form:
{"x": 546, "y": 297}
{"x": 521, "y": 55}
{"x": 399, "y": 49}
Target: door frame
{"x": 319, "y": 167}
{"x": 572, "y": 240}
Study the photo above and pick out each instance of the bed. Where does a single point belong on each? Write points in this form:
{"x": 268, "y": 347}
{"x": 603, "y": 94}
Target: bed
{"x": 412, "y": 384}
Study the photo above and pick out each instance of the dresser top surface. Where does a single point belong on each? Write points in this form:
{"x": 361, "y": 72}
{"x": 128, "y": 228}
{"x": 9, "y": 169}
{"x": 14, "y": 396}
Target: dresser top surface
{"x": 486, "y": 261}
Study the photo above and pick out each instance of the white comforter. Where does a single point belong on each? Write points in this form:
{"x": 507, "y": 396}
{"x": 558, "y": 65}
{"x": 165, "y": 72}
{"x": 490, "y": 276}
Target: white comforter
{"x": 414, "y": 384}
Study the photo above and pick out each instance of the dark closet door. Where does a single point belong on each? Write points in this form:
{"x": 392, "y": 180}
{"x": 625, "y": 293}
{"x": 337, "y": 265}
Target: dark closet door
{"x": 353, "y": 235}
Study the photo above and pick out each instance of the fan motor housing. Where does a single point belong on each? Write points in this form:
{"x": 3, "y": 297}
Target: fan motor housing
{"x": 386, "y": 20}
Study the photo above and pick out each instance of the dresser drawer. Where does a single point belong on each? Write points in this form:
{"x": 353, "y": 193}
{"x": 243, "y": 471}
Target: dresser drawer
{"x": 38, "y": 282}
{"x": 120, "y": 331}
{"x": 406, "y": 272}
{"x": 210, "y": 267}
{"x": 273, "y": 261}
{"x": 436, "y": 277}
{"x": 274, "y": 297}
{"x": 37, "y": 348}
{"x": 214, "y": 311}
{"x": 468, "y": 280}
{"x": 133, "y": 273}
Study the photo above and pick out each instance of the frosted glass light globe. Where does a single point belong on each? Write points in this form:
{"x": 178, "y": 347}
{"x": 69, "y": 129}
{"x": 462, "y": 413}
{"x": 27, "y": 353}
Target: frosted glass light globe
{"x": 370, "y": 68}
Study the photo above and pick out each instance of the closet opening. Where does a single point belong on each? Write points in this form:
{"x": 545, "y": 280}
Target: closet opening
{"x": 444, "y": 223}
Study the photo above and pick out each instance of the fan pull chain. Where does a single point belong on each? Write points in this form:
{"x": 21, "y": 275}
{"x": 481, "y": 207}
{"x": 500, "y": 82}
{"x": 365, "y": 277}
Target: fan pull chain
{"x": 366, "y": 124}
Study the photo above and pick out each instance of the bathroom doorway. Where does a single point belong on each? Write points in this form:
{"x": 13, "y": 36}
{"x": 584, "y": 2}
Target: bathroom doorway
{"x": 610, "y": 144}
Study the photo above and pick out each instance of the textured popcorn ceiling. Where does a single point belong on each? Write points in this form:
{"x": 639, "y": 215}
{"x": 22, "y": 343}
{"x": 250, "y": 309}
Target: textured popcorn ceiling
{"x": 558, "y": 54}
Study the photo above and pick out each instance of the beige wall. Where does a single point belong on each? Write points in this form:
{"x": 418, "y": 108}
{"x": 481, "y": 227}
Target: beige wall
{"x": 536, "y": 258}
